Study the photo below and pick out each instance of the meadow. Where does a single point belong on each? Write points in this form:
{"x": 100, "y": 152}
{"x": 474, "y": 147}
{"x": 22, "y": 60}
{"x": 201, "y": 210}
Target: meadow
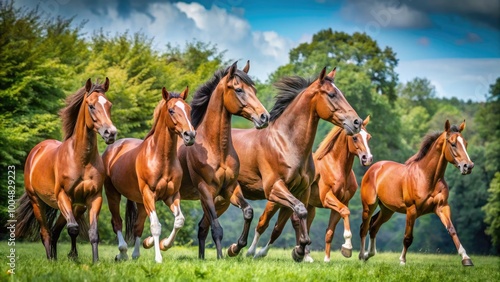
{"x": 181, "y": 264}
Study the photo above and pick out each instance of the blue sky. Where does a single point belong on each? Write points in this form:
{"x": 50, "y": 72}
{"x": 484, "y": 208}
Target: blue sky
{"x": 455, "y": 44}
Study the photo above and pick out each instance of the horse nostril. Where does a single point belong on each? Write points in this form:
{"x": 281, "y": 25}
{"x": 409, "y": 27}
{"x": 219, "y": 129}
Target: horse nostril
{"x": 357, "y": 122}
{"x": 106, "y": 132}
{"x": 264, "y": 118}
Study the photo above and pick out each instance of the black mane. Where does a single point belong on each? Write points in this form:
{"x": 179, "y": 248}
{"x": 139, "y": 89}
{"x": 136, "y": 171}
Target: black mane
{"x": 288, "y": 89}
{"x": 202, "y": 96}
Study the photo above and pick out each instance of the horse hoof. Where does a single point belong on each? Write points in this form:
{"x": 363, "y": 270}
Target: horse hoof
{"x": 148, "y": 243}
{"x": 346, "y": 252}
{"x": 163, "y": 245}
{"x": 467, "y": 262}
{"x": 296, "y": 256}
{"x": 231, "y": 250}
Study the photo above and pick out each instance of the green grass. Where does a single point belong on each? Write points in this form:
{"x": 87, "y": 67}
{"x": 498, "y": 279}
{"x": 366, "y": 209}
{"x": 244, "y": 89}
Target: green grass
{"x": 181, "y": 264}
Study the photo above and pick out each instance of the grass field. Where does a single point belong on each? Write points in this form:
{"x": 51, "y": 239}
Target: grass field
{"x": 182, "y": 264}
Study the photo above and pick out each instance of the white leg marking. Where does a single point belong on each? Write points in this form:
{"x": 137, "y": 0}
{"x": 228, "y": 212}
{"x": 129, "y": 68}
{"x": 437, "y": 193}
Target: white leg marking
{"x": 263, "y": 252}
{"x": 461, "y": 252}
{"x": 178, "y": 223}
{"x": 347, "y": 237}
{"x": 253, "y": 246}
{"x": 137, "y": 248}
{"x": 156, "y": 231}
{"x": 122, "y": 247}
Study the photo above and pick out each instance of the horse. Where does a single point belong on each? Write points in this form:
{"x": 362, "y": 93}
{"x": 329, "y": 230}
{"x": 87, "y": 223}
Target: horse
{"x": 416, "y": 187}
{"x": 335, "y": 183}
{"x": 276, "y": 162}
{"x": 211, "y": 165}
{"x": 68, "y": 175}
{"x": 146, "y": 171}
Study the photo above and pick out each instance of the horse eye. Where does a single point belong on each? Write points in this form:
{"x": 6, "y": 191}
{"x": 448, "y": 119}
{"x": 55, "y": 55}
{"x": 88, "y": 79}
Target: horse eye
{"x": 171, "y": 111}
{"x": 238, "y": 90}
{"x": 355, "y": 139}
{"x": 332, "y": 94}
{"x": 92, "y": 107}
{"x": 453, "y": 145}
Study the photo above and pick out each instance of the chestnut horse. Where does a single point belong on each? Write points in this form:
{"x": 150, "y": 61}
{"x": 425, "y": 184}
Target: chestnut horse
{"x": 276, "y": 162}
{"x": 68, "y": 175}
{"x": 211, "y": 165}
{"x": 415, "y": 188}
{"x": 335, "y": 183}
{"x": 146, "y": 171}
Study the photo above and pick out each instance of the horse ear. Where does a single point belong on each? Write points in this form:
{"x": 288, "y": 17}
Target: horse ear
{"x": 462, "y": 126}
{"x": 447, "y": 126}
{"x": 106, "y": 84}
{"x": 322, "y": 75}
{"x": 366, "y": 121}
{"x": 247, "y": 67}
{"x": 185, "y": 93}
{"x": 88, "y": 85}
{"x": 165, "y": 94}
{"x": 232, "y": 69}
{"x": 332, "y": 73}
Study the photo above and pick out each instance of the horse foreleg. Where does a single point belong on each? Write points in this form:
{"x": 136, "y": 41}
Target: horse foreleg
{"x": 78, "y": 211}
{"x": 411, "y": 216}
{"x": 174, "y": 205}
{"x": 239, "y": 201}
{"x": 444, "y": 214}
{"x": 148, "y": 199}
{"x": 95, "y": 204}
{"x": 65, "y": 207}
{"x": 311, "y": 212}
{"x": 283, "y": 217}
{"x": 114, "y": 198}
{"x": 269, "y": 211}
{"x": 333, "y": 203}
{"x": 330, "y": 232}
{"x": 281, "y": 195}
{"x": 138, "y": 229}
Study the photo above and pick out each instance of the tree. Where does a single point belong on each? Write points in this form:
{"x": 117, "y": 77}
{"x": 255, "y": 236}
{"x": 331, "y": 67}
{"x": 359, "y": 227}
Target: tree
{"x": 492, "y": 211}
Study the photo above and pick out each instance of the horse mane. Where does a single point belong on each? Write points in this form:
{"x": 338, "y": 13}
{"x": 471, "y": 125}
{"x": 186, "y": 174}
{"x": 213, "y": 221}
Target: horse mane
{"x": 327, "y": 144}
{"x": 202, "y": 96}
{"x": 288, "y": 88}
{"x": 69, "y": 114}
{"x": 426, "y": 144}
{"x": 156, "y": 113}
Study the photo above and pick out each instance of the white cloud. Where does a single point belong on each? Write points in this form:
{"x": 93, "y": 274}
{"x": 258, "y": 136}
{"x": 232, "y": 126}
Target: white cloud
{"x": 462, "y": 78}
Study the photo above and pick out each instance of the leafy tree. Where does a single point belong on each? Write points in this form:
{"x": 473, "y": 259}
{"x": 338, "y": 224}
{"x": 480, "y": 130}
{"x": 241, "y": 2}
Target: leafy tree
{"x": 492, "y": 211}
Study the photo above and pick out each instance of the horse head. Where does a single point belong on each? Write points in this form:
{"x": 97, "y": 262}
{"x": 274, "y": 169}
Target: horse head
{"x": 240, "y": 96}
{"x": 331, "y": 104}
{"x": 179, "y": 115}
{"x": 455, "y": 148}
{"x": 99, "y": 110}
{"x": 358, "y": 144}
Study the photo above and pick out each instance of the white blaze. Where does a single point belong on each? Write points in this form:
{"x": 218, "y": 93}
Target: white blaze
{"x": 103, "y": 102}
{"x": 181, "y": 106}
{"x": 364, "y": 136}
{"x": 461, "y": 142}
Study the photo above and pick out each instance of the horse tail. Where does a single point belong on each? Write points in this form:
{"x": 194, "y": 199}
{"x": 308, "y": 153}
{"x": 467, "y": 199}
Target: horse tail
{"x": 26, "y": 224}
{"x": 130, "y": 219}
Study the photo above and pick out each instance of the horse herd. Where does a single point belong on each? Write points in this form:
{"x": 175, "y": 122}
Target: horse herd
{"x": 192, "y": 153}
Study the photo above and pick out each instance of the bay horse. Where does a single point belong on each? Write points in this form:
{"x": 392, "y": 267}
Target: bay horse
{"x": 276, "y": 162}
{"x": 211, "y": 166}
{"x": 146, "y": 171}
{"x": 335, "y": 183}
{"x": 68, "y": 175}
{"x": 416, "y": 187}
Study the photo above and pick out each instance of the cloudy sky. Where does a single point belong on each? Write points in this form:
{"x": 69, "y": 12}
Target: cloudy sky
{"x": 455, "y": 44}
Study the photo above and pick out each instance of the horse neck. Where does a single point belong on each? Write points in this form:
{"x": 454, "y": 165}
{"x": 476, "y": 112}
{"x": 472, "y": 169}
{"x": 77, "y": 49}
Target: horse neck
{"x": 340, "y": 154}
{"x": 300, "y": 123}
{"x": 216, "y": 124}
{"x": 84, "y": 138}
{"x": 434, "y": 162}
{"x": 163, "y": 142}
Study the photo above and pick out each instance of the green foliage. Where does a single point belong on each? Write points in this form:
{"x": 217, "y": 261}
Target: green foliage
{"x": 492, "y": 211}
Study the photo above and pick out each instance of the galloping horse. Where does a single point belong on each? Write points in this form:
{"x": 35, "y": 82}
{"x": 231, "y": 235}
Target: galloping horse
{"x": 68, "y": 175}
{"x": 276, "y": 162}
{"x": 335, "y": 183}
{"x": 415, "y": 188}
{"x": 211, "y": 165}
{"x": 145, "y": 171}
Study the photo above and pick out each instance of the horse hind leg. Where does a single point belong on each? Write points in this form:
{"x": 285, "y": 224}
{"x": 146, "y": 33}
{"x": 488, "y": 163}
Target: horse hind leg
{"x": 239, "y": 201}
{"x": 39, "y": 211}
{"x": 114, "y": 198}
{"x": 138, "y": 229}
{"x": 330, "y": 232}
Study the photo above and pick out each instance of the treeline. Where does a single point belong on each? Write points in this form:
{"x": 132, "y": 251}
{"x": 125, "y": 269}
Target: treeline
{"x": 44, "y": 60}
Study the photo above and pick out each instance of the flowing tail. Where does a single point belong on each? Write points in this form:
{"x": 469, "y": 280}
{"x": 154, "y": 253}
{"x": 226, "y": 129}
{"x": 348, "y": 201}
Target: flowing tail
{"x": 130, "y": 219}
{"x": 27, "y": 226}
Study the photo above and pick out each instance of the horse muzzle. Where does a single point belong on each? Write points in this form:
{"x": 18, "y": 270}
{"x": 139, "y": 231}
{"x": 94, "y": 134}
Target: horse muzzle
{"x": 108, "y": 133}
{"x": 465, "y": 167}
{"x": 188, "y": 137}
{"x": 365, "y": 159}
{"x": 352, "y": 127}
{"x": 262, "y": 121}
